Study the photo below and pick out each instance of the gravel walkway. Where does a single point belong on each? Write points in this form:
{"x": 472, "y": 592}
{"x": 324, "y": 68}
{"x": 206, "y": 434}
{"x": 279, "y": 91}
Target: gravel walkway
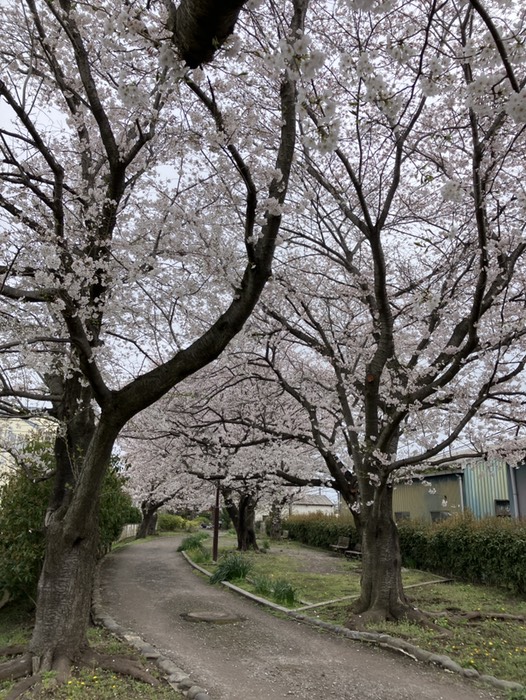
{"x": 149, "y": 589}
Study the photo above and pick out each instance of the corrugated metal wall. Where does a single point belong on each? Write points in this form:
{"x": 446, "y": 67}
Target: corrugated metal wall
{"x": 520, "y": 481}
{"x": 440, "y": 495}
{"x": 485, "y": 483}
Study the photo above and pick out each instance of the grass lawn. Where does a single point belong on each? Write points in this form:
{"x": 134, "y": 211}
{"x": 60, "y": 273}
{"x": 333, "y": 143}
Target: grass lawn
{"x": 481, "y": 640}
{"x": 85, "y": 684}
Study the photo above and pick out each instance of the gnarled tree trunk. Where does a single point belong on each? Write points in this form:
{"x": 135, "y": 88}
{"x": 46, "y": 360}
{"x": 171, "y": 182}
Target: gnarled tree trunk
{"x": 64, "y": 597}
{"x": 382, "y": 596}
{"x": 148, "y": 523}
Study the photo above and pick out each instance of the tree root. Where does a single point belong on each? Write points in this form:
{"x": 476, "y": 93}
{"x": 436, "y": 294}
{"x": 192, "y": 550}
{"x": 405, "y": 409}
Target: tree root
{"x": 22, "y": 667}
{"x": 20, "y": 688}
{"x": 12, "y": 651}
{"x": 476, "y": 615}
{"x": 15, "y": 668}
{"x": 123, "y": 666}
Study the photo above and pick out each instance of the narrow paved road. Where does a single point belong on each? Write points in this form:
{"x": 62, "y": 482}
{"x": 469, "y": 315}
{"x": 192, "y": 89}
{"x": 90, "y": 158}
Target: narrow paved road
{"x": 149, "y": 587}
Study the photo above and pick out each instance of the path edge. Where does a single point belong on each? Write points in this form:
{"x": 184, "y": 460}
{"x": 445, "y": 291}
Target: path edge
{"x": 176, "y": 677}
{"x": 384, "y": 641}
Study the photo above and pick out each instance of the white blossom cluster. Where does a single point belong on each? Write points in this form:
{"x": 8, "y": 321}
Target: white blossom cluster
{"x": 516, "y": 106}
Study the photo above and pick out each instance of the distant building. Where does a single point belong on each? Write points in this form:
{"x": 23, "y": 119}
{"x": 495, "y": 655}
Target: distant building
{"x": 486, "y": 488}
{"x": 304, "y": 505}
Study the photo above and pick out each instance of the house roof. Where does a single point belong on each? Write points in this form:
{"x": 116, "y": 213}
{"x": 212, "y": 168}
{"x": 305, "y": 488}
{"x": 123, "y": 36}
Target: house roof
{"x": 313, "y": 500}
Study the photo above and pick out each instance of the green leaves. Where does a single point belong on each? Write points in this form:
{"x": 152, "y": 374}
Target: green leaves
{"x": 23, "y": 506}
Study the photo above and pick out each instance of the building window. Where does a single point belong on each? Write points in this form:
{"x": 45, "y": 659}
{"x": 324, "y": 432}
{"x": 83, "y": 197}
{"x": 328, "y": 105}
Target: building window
{"x": 402, "y": 515}
{"x": 502, "y": 509}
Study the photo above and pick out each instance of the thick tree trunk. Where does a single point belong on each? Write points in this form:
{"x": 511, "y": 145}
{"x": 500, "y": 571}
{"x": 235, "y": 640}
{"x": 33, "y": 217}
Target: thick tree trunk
{"x": 148, "y": 524}
{"x": 382, "y": 596}
{"x": 246, "y": 528}
{"x": 65, "y": 584}
{"x": 64, "y": 597}
{"x": 243, "y": 516}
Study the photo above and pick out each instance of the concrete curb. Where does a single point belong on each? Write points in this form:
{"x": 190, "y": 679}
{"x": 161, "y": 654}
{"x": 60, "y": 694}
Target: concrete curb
{"x": 178, "y": 679}
{"x": 383, "y": 640}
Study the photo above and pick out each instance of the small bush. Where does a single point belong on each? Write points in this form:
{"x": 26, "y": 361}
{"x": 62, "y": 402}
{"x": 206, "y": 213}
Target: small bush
{"x": 23, "y": 506}
{"x": 192, "y": 524}
{"x": 262, "y": 585}
{"x": 170, "y": 523}
{"x": 231, "y": 567}
{"x": 194, "y": 541}
{"x": 284, "y": 592}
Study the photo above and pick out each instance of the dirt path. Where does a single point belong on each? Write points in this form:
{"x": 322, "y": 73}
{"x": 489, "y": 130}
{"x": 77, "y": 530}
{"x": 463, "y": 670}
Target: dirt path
{"x": 148, "y": 587}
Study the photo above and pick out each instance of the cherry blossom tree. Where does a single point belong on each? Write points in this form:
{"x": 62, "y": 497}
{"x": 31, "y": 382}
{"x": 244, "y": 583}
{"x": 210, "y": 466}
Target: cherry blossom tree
{"x": 154, "y": 481}
{"x": 196, "y": 434}
{"x": 398, "y": 302}
{"x": 139, "y": 220}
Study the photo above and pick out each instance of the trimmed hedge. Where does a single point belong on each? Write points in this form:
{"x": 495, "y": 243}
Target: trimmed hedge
{"x": 320, "y": 530}
{"x": 490, "y": 551}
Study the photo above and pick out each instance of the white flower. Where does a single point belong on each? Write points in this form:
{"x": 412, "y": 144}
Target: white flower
{"x": 452, "y": 191}
{"x": 516, "y": 106}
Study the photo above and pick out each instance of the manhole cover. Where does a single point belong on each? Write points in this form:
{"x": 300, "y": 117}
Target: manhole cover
{"x": 213, "y": 616}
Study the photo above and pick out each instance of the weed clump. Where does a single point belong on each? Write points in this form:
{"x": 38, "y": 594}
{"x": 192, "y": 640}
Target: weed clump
{"x": 232, "y": 566}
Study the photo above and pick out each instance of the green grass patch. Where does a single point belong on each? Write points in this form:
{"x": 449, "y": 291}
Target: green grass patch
{"x": 16, "y": 621}
{"x": 194, "y": 541}
{"x": 200, "y": 555}
{"x": 491, "y": 646}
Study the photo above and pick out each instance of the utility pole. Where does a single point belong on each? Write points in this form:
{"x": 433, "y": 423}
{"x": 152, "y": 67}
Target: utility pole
{"x": 215, "y": 539}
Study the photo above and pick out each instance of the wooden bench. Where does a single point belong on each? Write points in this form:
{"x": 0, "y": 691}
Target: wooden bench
{"x": 354, "y": 553}
{"x": 342, "y": 545}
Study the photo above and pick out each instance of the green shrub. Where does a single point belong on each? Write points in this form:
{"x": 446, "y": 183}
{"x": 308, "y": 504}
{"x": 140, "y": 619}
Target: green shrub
{"x": 23, "y": 506}
{"x": 166, "y": 522}
{"x": 116, "y": 510}
{"x": 233, "y": 566}
{"x": 490, "y": 551}
{"x": 194, "y": 541}
{"x": 319, "y": 530}
{"x": 194, "y": 524}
